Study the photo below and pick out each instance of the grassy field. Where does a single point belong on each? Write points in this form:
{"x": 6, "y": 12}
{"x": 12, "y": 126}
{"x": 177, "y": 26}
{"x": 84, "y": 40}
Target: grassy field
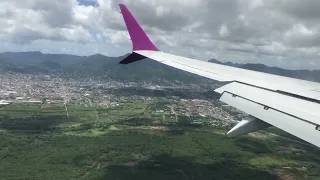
{"x": 128, "y": 142}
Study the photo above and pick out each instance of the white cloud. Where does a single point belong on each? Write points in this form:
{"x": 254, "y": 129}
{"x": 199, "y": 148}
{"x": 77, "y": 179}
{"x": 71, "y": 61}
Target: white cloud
{"x": 274, "y": 32}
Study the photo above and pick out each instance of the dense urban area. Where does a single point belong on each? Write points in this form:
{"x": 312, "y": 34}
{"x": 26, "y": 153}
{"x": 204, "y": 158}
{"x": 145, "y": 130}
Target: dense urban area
{"x": 46, "y": 89}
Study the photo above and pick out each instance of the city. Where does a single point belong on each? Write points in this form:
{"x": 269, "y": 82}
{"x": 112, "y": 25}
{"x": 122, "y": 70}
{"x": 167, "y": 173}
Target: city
{"x": 57, "y": 89}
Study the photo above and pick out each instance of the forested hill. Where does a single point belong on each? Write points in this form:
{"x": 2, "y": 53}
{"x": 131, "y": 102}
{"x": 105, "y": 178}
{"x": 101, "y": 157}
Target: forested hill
{"x": 100, "y": 65}
{"x": 94, "y": 65}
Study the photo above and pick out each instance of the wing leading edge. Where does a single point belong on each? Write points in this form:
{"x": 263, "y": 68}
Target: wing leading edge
{"x": 287, "y": 103}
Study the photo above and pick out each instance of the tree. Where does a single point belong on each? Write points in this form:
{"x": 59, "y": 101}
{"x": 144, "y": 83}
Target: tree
{"x": 44, "y": 100}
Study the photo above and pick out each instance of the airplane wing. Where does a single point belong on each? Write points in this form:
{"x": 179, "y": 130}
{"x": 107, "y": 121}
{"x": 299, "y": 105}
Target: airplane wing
{"x": 290, "y": 104}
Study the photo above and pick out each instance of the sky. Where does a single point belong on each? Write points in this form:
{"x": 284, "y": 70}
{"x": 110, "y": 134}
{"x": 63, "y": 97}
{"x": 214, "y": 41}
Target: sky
{"x": 283, "y": 33}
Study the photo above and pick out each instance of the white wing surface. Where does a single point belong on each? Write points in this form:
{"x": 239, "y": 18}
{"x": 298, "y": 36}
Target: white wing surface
{"x": 290, "y": 104}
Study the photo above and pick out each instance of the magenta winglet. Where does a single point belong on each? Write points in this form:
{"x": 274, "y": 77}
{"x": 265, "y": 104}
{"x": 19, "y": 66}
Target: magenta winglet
{"x": 140, "y": 40}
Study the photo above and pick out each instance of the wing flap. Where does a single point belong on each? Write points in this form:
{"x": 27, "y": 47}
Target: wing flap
{"x": 303, "y": 109}
{"x": 290, "y": 124}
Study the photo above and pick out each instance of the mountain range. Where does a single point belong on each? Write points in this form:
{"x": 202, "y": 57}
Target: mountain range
{"x": 100, "y": 65}
{"x": 310, "y": 75}
{"x": 94, "y": 65}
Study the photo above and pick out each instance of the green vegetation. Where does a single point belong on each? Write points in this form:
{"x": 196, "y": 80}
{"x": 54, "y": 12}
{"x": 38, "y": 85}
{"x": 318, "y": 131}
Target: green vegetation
{"x": 129, "y": 141}
{"x": 270, "y": 161}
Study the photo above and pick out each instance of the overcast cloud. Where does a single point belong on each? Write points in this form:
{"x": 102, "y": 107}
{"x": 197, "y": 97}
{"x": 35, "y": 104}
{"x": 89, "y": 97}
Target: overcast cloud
{"x": 284, "y": 33}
